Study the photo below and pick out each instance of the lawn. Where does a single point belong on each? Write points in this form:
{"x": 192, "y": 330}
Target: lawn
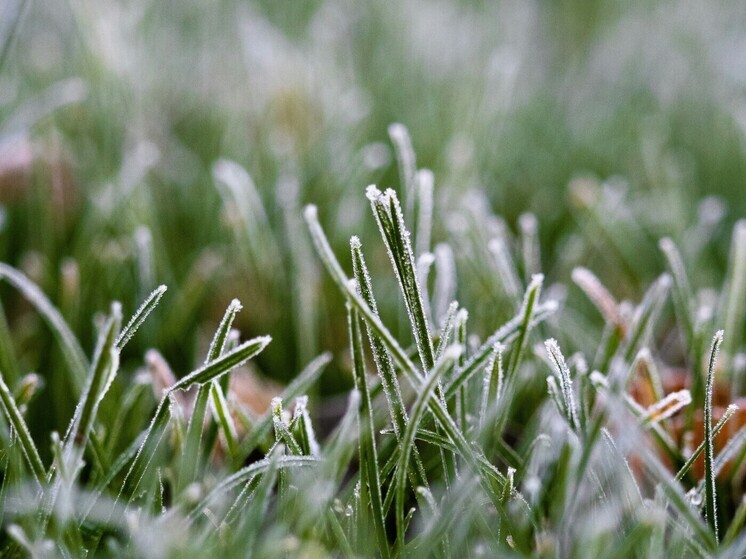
{"x": 326, "y": 278}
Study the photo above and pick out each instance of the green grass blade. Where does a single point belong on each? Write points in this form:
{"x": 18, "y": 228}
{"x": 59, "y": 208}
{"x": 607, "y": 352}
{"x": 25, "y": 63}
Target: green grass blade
{"x": 682, "y": 293}
{"x": 698, "y": 451}
{"x": 16, "y": 421}
{"x": 104, "y": 369}
{"x": 390, "y": 222}
{"x": 140, "y": 315}
{"x": 8, "y": 360}
{"x": 710, "y": 494}
{"x": 224, "y": 364}
{"x": 530, "y": 302}
{"x": 503, "y": 335}
{"x": 282, "y": 433}
{"x": 223, "y": 417}
{"x": 646, "y": 316}
{"x": 562, "y": 372}
{"x": 71, "y": 350}
{"x": 407, "y": 442}
{"x": 370, "y": 475}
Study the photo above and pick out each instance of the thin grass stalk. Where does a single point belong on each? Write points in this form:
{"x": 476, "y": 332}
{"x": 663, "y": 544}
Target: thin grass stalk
{"x": 104, "y": 369}
{"x": 447, "y": 329}
{"x": 370, "y": 475}
{"x": 140, "y": 316}
{"x": 710, "y": 492}
{"x": 407, "y": 441}
{"x": 698, "y": 451}
{"x": 16, "y": 421}
{"x": 503, "y": 335}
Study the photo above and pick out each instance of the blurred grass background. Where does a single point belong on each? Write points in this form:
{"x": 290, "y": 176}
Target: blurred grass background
{"x": 613, "y": 123}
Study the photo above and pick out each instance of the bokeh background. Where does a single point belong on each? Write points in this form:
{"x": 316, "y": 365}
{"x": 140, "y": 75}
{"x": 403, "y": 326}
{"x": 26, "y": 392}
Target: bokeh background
{"x": 176, "y": 141}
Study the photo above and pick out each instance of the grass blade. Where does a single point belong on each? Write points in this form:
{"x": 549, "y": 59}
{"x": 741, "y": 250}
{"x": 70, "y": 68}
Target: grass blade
{"x": 16, "y": 421}
{"x": 71, "y": 350}
{"x": 503, "y": 335}
{"x": 224, "y": 364}
{"x": 370, "y": 475}
{"x": 562, "y": 372}
{"x": 104, "y": 369}
{"x": 305, "y": 379}
{"x": 192, "y": 454}
{"x": 710, "y": 494}
{"x": 390, "y": 222}
{"x": 407, "y": 441}
{"x": 140, "y": 315}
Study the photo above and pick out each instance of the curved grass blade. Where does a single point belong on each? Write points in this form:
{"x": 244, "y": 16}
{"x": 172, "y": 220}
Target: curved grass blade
{"x": 140, "y": 315}
{"x": 224, "y": 364}
{"x": 71, "y": 350}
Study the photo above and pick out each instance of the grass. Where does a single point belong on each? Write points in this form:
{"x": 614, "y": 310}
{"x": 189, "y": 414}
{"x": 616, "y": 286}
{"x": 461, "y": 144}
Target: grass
{"x": 531, "y": 345}
{"x": 441, "y": 467}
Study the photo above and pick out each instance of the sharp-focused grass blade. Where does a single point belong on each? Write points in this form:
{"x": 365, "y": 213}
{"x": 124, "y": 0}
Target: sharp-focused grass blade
{"x": 140, "y": 315}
